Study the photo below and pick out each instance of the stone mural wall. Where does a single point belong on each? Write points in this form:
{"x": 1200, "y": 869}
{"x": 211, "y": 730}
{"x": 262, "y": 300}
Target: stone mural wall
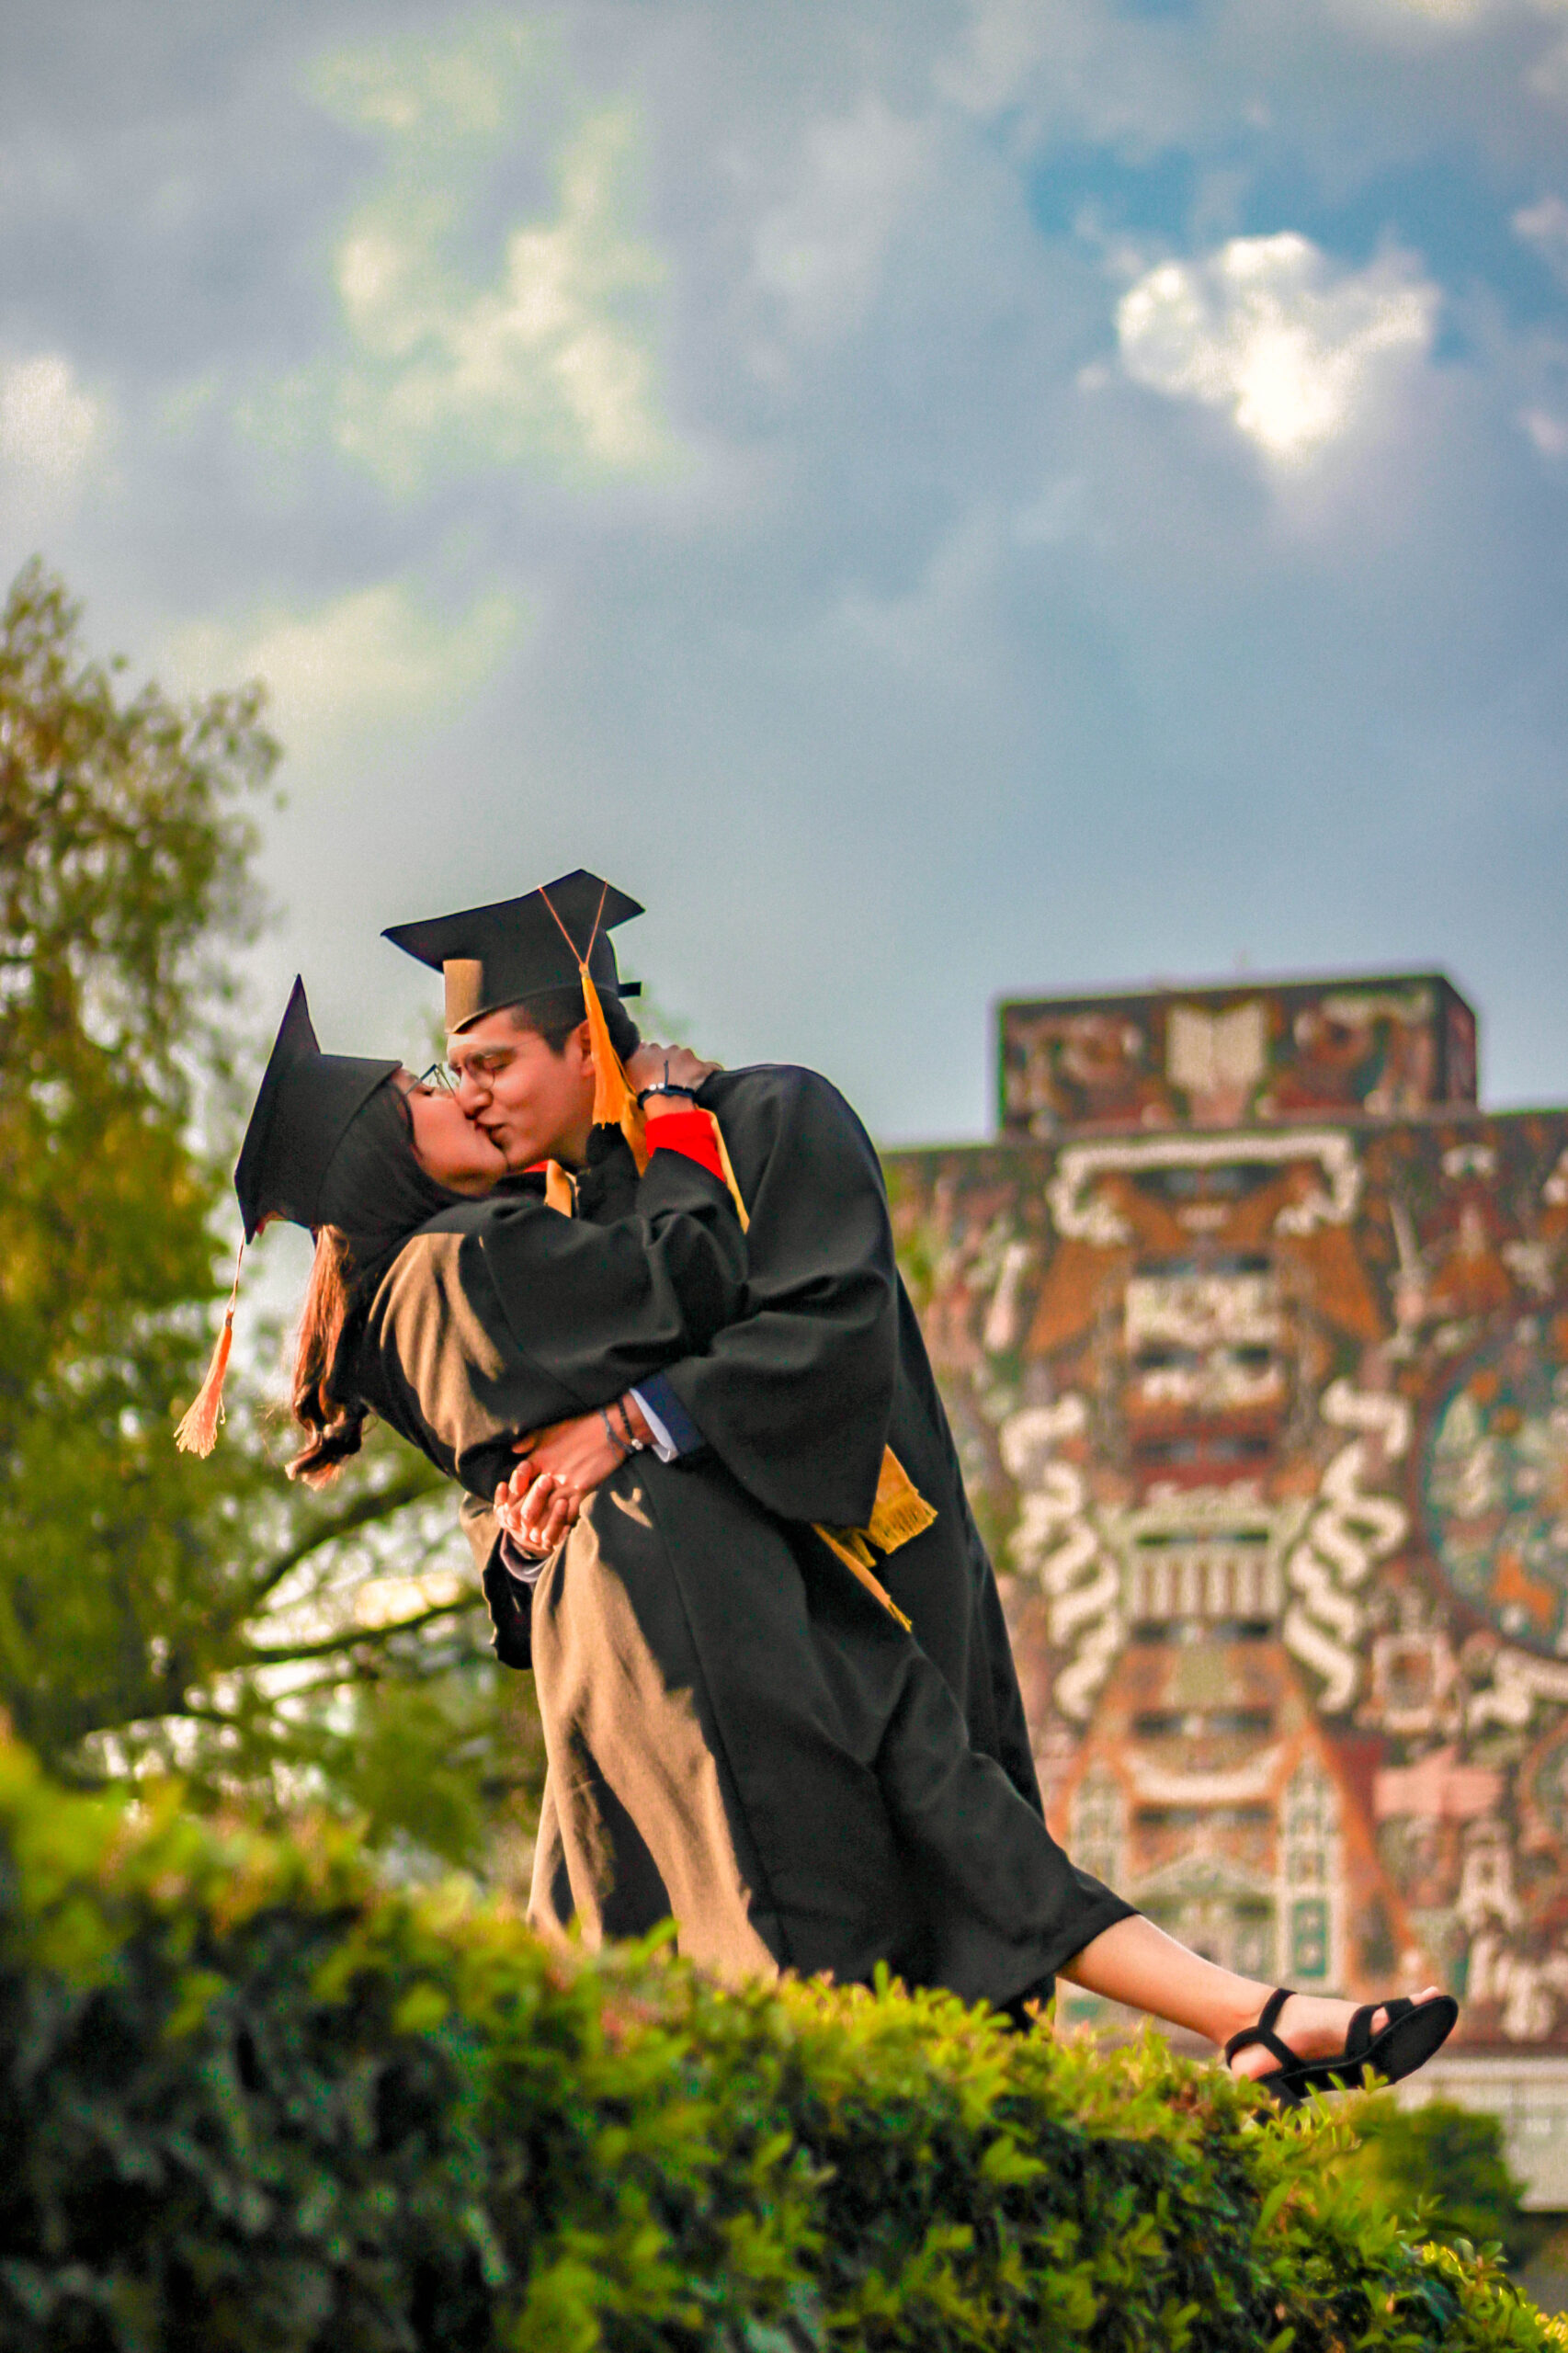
{"x": 1204, "y": 1057}
{"x": 1268, "y": 1430}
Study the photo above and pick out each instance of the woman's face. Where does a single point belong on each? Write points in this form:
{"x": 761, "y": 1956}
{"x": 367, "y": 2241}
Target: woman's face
{"x": 447, "y": 1145}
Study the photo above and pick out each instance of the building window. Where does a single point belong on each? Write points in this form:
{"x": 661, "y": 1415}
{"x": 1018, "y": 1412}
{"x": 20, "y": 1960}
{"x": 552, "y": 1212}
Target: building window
{"x": 1309, "y": 1853}
{"x": 1308, "y": 1938}
{"x": 1254, "y": 1948}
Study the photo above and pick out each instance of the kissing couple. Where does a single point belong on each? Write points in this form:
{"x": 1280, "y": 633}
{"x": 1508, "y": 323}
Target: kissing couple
{"x": 645, "y": 1313}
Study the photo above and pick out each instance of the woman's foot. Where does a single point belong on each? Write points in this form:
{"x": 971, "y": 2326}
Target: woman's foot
{"x": 1311, "y": 2027}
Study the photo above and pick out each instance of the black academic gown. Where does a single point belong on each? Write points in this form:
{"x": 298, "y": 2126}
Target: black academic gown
{"x": 736, "y": 1732}
{"x": 829, "y": 1365}
{"x": 500, "y": 1315}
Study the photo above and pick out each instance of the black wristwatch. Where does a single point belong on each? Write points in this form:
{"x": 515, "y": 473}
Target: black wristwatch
{"x": 666, "y": 1088}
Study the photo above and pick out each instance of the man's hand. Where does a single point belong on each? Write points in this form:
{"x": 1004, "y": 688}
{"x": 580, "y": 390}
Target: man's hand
{"x": 560, "y": 1466}
{"x": 667, "y": 1066}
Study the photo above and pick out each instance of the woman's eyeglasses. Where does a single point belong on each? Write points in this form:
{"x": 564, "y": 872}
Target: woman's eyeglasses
{"x": 437, "y": 1076}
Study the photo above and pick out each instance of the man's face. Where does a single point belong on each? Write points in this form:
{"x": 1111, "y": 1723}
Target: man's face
{"x": 532, "y": 1104}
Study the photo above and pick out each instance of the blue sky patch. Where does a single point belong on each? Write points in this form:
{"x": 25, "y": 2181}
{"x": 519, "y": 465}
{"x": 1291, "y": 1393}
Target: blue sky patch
{"x": 1456, "y": 219}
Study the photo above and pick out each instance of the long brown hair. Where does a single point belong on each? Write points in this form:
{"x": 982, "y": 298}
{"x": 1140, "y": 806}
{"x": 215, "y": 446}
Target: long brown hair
{"x": 333, "y": 1429}
{"x": 374, "y": 1196}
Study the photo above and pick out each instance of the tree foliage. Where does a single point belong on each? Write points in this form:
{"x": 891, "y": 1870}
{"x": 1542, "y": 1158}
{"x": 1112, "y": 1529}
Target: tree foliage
{"x": 150, "y": 1603}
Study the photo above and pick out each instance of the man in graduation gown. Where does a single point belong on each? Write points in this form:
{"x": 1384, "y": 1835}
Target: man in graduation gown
{"x": 808, "y": 1430}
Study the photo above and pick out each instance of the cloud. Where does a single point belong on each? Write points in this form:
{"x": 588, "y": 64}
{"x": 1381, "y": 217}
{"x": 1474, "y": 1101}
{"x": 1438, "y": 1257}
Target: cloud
{"x": 1440, "y": 15}
{"x": 364, "y": 664}
{"x": 938, "y": 627}
{"x": 50, "y": 427}
{"x": 553, "y": 366}
{"x": 1545, "y": 226}
{"x": 1548, "y": 77}
{"x": 1547, "y": 433}
{"x": 933, "y": 647}
{"x": 1264, "y": 329}
{"x": 819, "y": 252}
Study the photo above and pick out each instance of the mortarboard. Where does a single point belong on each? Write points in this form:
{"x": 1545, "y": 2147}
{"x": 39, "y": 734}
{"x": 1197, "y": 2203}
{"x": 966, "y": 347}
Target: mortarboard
{"x": 305, "y": 1105}
{"x": 516, "y": 948}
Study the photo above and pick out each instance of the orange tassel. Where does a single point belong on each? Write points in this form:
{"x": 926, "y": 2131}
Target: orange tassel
{"x": 615, "y": 1105}
{"x": 198, "y": 1432}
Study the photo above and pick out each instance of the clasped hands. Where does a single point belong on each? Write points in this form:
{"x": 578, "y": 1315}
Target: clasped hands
{"x": 562, "y": 1464}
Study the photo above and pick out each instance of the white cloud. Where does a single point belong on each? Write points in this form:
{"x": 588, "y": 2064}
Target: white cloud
{"x": 1264, "y": 329}
{"x": 1400, "y": 21}
{"x": 1547, "y": 432}
{"x": 50, "y": 426}
{"x": 466, "y": 89}
{"x": 819, "y": 253}
{"x": 1059, "y": 514}
{"x": 1545, "y": 226}
{"x": 938, "y": 628}
{"x": 372, "y": 661}
{"x": 1549, "y": 76}
{"x": 1393, "y": 15}
{"x": 553, "y": 366}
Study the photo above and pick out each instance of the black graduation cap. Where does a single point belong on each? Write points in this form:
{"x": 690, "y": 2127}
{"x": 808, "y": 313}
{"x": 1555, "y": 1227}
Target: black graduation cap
{"x": 517, "y": 948}
{"x": 305, "y": 1104}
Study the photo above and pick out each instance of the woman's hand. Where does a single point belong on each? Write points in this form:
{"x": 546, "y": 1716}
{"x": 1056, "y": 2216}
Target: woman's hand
{"x": 561, "y": 1465}
{"x": 554, "y": 1512}
{"x": 667, "y": 1066}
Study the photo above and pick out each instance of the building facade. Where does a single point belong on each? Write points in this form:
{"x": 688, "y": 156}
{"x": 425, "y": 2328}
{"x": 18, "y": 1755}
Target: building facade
{"x": 1254, "y": 1333}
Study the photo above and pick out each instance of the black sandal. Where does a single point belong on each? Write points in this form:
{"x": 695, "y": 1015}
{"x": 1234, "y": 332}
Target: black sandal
{"x": 1413, "y": 2031}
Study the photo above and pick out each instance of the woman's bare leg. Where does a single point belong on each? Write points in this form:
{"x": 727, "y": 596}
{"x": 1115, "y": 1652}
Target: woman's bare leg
{"x": 1139, "y": 1965}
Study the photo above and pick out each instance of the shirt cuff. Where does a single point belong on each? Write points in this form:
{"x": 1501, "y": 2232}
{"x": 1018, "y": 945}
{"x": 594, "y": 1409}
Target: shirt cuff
{"x": 675, "y": 1432}
{"x": 526, "y": 1567}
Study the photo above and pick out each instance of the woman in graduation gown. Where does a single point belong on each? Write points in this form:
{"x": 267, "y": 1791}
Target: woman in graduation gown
{"x": 738, "y": 1733}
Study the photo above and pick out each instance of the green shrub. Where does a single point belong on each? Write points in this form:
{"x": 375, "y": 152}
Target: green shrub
{"x": 248, "y": 2098}
{"x": 1443, "y": 2171}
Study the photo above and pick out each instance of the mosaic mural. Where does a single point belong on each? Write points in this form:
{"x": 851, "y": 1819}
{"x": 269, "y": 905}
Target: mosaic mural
{"x": 1268, "y": 1429}
{"x": 1212, "y": 1057}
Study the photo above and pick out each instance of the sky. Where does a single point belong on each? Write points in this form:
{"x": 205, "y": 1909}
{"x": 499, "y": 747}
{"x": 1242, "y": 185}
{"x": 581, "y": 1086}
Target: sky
{"x": 940, "y": 501}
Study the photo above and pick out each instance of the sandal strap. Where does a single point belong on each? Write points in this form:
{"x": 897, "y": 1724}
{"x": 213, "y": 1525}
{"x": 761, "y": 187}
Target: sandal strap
{"x": 1358, "y": 2042}
{"x": 1360, "y": 2039}
{"x": 1263, "y": 2031}
{"x": 1269, "y": 2014}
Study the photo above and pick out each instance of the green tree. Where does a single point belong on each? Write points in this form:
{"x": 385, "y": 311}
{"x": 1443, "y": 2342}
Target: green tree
{"x": 152, "y": 1606}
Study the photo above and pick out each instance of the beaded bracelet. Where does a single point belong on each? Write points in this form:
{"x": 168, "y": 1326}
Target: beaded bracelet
{"x": 635, "y": 1445}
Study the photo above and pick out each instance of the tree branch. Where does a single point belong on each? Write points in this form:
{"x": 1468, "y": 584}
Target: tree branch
{"x": 379, "y": 1502}
{"x": 359, "y": 1637}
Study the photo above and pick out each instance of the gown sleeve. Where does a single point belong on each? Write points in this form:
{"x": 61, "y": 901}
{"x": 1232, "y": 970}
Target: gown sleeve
{"x": 503, "y": 1315}
{"x": 795, "y": 1399}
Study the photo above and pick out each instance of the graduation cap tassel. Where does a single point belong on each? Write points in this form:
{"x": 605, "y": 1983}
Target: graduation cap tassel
{"x": 615, "y": 1105}
{"x": 198, "y": 1432}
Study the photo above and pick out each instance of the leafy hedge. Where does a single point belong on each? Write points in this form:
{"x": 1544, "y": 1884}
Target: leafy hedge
{"x": 250, "y": 2100}
{"x": 1445, "y": 2167}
